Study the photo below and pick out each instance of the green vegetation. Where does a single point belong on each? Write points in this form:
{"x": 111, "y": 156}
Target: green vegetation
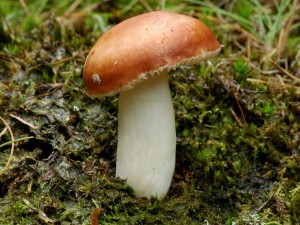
{"x": 237, "y": 118}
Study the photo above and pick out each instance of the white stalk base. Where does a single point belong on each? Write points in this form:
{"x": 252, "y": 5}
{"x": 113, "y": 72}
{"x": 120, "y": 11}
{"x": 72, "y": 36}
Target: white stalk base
{"x": 147, "y": 137}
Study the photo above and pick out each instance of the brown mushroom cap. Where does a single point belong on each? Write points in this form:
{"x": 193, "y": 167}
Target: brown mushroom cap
{"x": 145, "y": 45}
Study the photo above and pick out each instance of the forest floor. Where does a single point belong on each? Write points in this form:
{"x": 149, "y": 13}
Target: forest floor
{"x": 237, "y": 118}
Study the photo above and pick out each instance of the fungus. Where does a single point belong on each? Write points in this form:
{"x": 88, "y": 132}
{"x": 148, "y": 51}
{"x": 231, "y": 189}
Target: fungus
{"x": 133, "y": 59}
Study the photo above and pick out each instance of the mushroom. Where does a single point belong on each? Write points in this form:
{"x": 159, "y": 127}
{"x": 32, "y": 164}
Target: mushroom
{"x": 133, "y": 59}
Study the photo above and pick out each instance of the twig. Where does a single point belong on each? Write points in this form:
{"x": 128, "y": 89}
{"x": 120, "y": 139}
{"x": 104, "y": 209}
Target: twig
{"x": 3, "y": 132}
{"x": 23, "y": 3}
{"x": 239, "y": 105}
{"x": 268, "y": 72}
{"x": 248, "y": 34}
{"x": 23, "y": 121}
{"x": 12, "y": 145}
{"x": 286, "y": 72}
{"x": 248, "y": 49}
{"x": 16, "y": 140}
{"x": 40, "y": 214}
{"x": 68, "y": 58}
{"x": 280, "y": 79}
{"x": 146, "y": 5}
{"x": 72, "y": 7}
{"x": 236, "y": 118}
{"x": 54, "y": 88}
{"x": 274, "y": 84}
{"x": 268, "y": 200}
{"x": 285, "y": 31}
{"x": 211, "y": 18}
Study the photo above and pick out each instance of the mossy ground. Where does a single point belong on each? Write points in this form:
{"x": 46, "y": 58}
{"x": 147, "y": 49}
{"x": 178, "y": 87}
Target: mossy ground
{"x": 238, "y": 141}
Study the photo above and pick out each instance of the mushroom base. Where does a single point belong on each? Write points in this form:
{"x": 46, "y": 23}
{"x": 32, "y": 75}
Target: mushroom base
{"x": 147, "y": 138}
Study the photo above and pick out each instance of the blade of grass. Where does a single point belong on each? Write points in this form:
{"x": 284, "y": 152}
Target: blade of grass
{"x": 16, "y": 140}
{"x": 246, "y": 24}
{"x": 12, "y": 145}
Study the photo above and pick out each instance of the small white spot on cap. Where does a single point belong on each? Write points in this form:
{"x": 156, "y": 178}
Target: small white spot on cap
{"x": 96, "y": 78}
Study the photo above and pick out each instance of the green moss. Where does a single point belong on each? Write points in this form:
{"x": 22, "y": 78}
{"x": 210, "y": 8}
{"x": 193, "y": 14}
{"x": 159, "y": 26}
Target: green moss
{"x": 237, "y": 165}
{"x": 244, "y": 8}
{"x": 236, "y": 142}
{"x": 28, "y": 24}
{"x": 241, "y": 70}
{"x": 20, "y": 209}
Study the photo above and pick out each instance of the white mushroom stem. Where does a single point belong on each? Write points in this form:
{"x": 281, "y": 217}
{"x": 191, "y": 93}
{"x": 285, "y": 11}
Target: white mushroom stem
{"x": 147, "y": 137}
